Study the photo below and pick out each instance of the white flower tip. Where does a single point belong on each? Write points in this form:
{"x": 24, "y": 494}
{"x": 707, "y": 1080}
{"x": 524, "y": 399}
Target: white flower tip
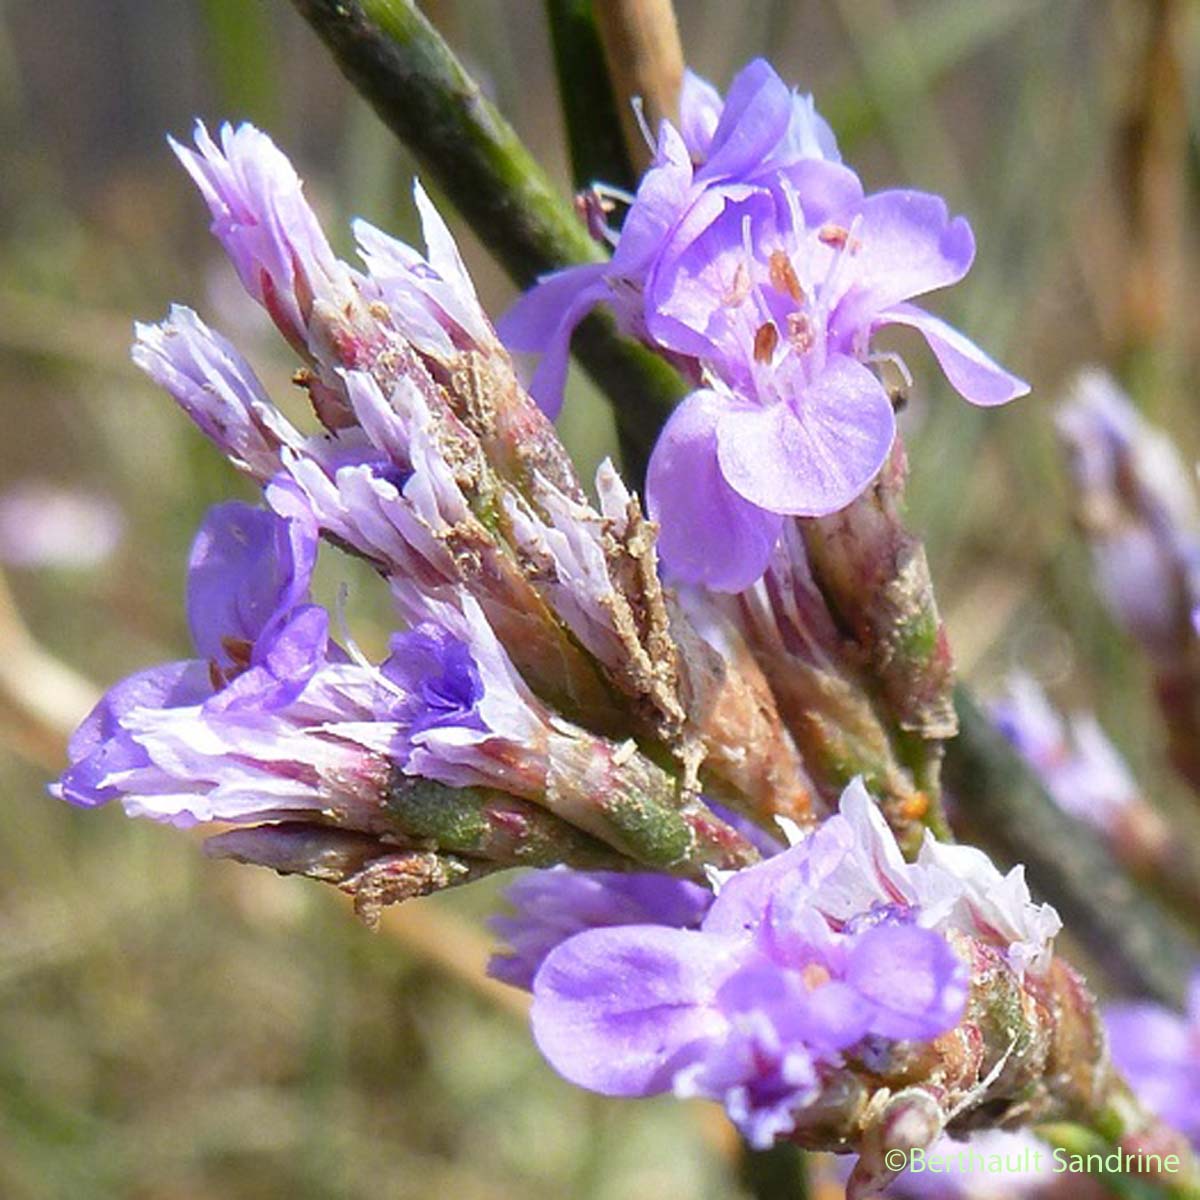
{"x": 717, "y": 878}
{"x": 793, "y": 833}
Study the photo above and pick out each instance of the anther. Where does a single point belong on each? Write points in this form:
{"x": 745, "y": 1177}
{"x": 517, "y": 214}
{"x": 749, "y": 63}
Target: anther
{"x": 783, "y": 276}
{"x": 765, "y": 341}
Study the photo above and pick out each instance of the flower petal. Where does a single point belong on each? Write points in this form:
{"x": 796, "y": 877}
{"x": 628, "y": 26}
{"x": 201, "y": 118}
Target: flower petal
{"x": 972, "y": 373}
{"x": 708, "y": 533}
{"x": 915, "y": 979}
{"x": 543, "y": 320}
{"x": 758, "y": 110}
{"x": 99, "y": 747}
{"x": 553, "y": 905}
{"x": 249, "y": 568}
{"x": 700, "y": 107}
{"x": 903, "y": 245}
{"x": 621, "y": 1010}
{"x": 813, "y": 454}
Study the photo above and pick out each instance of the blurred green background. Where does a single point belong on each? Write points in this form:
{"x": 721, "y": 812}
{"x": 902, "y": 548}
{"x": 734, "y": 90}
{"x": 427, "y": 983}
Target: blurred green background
{"x": 177, "y": 1029}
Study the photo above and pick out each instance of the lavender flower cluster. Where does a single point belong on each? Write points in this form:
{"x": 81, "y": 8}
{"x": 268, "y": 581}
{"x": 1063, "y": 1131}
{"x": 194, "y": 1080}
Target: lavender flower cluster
{"x": 550, "y": 702}
{"x": 752, "y": 258}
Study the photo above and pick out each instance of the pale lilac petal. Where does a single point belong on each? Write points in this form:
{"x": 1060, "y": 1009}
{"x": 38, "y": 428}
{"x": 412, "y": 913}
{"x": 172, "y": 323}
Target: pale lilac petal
{"x": 917, "y": 982}
{"x": 459, "y": 297}
{"x": 757, "y": 112}
{"x": 744, "y": 900}
{"x": 903, "y": 244}
{"x": 813, "y": 455}
{"x": 825, "y": 190}
{"x": 98, "y": 748}
{"x": 211, "y": 381}
{"x": 700, "y": 107}
{"x": 690, "y": 292}
{"x": 708, "y": 533}
{"x": 631, "y": 1039}
{"x": 247, "y": 571}
{"x": 662, "y": 197}
{"x": 808, "y": 136}
{"x": 543, "y": 320}
{"x": 553, "y": 905}
{"x": 261, "y": 218}
{"x": 970, "y": 371}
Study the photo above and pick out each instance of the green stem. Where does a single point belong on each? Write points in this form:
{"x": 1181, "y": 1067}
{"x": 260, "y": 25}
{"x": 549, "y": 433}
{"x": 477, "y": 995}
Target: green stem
{"x": 586, "y": 96}
{"x": 1141, "y": 948}
{"x": 398, "y": 61}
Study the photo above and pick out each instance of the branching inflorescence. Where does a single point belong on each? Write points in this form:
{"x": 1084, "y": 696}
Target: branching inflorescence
{"x": 559, "y": 697}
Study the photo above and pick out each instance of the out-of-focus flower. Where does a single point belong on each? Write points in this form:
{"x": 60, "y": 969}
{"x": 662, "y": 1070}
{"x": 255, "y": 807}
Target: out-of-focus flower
{"x": 43, "y": 524}
{"x": 832, "y": 942}
{"x": 1137, "y": 505}
{"x": 1158, "y": 1052}
{"x": 1080, "y": 767}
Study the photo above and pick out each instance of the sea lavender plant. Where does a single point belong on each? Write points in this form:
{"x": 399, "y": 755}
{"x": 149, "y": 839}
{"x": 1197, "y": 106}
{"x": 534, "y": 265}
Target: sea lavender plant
{"x": 551, "y": 701}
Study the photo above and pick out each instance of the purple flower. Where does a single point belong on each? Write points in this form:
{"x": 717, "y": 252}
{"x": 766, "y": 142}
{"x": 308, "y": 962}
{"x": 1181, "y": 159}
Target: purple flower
{"x": 1158, "y": 1052}
{"x": 780, "y": 309}
{"x": 752, "y": 259}
{"x": 466, "y": 717}
{"x": 48, "y": 524}
{"x": 556, "y": 904}
{"x": 1079, "y": 766}
{"x": 761, "y": 131}
{"x": 438, "y": 676}
{"x": 275, "y": 719}
{"x": 798, "y": 959}
{"x": 216, "y": 737}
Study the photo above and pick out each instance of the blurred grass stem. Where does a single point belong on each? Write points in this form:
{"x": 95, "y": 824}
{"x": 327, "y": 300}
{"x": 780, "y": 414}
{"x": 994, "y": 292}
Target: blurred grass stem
{"x": 645, "y": 61}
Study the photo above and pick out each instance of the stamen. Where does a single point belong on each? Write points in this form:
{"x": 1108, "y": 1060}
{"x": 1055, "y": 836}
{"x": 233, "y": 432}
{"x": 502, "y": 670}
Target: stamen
{"x": 765, "y": 340}
{"x": 844, "y": 240}
{"x": 764, "y": 308}
{"x": 814, "y": 975}
{"x": 739, "y": 289}
{"x": 639, "y": 111}
{"x": 593, "y": 209}
{"x": 801, "y": 334}
{"x": 838, "y": 236}
{"x": 783, "y": 276}
{"x": 610, "y": 193}
{"x": 239, "y": 651}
